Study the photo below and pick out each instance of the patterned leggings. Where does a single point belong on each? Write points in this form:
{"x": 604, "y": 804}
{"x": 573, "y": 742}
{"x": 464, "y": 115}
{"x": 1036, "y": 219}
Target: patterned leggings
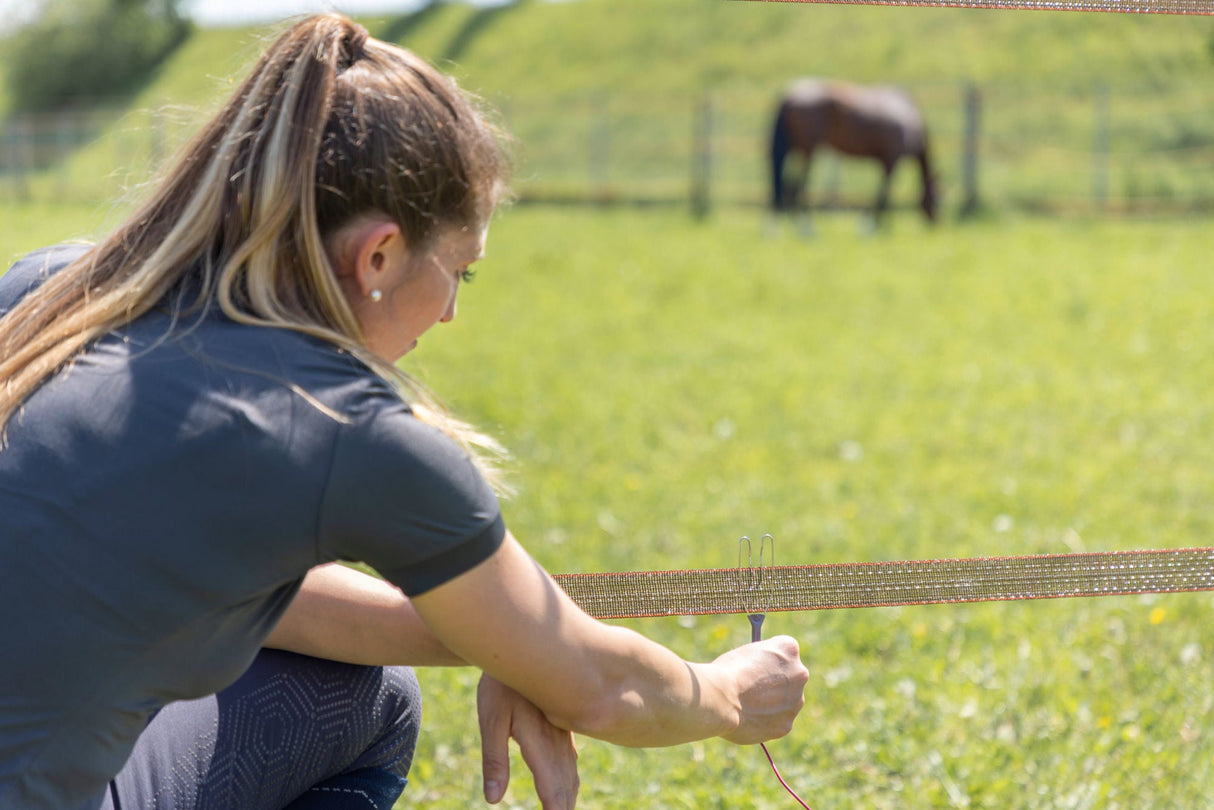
{"x": 293, "y": 732}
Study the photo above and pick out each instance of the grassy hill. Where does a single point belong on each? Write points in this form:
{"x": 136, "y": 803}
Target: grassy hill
{"x": 604, "y": 94}
{"x": 533, "y": 47}
{"x": 672, "y": 45}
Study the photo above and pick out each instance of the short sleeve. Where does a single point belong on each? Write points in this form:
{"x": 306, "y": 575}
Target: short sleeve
{"x": 407, "y": 500}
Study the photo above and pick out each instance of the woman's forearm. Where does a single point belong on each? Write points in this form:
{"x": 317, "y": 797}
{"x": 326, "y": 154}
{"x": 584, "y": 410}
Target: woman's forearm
{"x": 509, "y": 618}
{"x": 346, "y": 615}
{"x": 644, "y": 695}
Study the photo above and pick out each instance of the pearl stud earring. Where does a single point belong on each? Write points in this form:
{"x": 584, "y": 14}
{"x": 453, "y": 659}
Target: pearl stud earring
{"x": 376, "y": 296}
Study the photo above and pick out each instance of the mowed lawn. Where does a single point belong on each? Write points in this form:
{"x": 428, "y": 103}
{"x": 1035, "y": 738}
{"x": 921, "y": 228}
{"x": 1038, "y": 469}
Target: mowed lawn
{"x": 1012, "y": 386}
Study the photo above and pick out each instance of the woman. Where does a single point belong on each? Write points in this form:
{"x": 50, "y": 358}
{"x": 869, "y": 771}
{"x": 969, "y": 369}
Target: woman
{"x": 202, "y": 413}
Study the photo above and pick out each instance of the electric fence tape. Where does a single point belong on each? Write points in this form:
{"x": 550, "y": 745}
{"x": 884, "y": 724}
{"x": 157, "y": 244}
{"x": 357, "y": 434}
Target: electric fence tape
{"x": 637, "y": 594}
{"x": 1128, "y": 6}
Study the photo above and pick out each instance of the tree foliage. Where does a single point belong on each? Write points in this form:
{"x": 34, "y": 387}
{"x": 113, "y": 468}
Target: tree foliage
{"x": 76, "y": 51}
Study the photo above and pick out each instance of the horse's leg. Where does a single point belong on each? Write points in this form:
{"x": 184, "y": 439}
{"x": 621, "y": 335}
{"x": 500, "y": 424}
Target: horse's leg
{"x": 804, "y": 203}
{"x": 778, "y": 154}
{"x": 778, "y": 203}
{"x": 882, "y": 202}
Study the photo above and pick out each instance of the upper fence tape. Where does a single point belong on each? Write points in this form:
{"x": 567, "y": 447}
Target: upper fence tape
{"x": 1126, "y": 6}
{"x": 637, "y": 594}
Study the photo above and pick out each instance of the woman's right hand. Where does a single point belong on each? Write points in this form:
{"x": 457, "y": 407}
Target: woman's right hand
{"x": 770, "y": 681}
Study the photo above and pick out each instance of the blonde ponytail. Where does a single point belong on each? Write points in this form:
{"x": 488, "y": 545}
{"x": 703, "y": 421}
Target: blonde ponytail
{"x": 329, "y": 124}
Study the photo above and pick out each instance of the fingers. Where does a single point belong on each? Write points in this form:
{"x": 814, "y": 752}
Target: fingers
{"x": 495, "y": 738}
{"x": 778, "y": 656}
{"x": 786, "y": 645}
{"x": 548, "y": 751}
{"x": 551, "y": 756}
{"x": 771, "y": 682}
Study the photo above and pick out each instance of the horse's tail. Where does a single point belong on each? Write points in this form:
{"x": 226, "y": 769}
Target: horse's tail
{"x": 779, "y": 149}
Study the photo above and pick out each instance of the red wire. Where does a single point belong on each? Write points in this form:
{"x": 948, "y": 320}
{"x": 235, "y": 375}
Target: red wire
{"x": 756, "y": 633}
{"x": 776, "y": 771}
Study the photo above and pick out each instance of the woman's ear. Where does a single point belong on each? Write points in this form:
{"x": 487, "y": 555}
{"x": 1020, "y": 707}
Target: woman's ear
{"x": 368, "y": 252}
{"x": 379, "y": 253}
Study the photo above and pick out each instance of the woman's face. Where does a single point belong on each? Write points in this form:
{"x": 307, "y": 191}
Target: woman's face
{"x": 396, "y": 293}
{"x": 424, "y": 291}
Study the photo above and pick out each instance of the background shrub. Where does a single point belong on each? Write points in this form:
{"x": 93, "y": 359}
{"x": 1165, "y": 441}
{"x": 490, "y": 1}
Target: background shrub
{"x": 82, "y": 50}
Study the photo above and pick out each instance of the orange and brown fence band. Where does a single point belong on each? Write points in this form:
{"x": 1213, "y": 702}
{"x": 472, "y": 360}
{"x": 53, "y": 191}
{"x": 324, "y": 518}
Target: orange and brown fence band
{"x": 635, "y": 594}
{"x": 1130, "y": 6}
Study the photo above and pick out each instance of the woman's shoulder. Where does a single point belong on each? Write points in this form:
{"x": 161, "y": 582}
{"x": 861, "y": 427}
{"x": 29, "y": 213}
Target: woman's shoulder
{"x": 271, "y": 364}
{"x": 34, "y": 268}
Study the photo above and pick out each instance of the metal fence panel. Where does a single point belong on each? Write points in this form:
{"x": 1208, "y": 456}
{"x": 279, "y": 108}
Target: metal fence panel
{"x": 1054, "y": 149}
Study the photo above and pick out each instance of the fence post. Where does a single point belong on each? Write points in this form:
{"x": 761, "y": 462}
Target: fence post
{"x": 701, "y": 158}
{"x": 22, "y": 129}
{"x": 969, "y": 152}
{"x": 600, "y": 145}
{"x": 65, "y": 141}
{"x": 8, "y": 160}
{"x": 1100, "y": 146}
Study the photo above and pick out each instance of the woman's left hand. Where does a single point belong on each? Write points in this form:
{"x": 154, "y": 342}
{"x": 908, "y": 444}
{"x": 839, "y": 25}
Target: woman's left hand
{"x": 548, "y": 751}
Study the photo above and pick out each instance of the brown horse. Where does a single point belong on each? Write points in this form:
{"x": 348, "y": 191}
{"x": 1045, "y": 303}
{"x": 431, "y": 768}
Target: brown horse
{"x": 873, "y": 122}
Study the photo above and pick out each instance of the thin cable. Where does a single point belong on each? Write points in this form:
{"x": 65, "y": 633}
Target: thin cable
{"x": 756, "y": 634}
{"x": 776, "y": 771}
{"x": 751, "y": 599}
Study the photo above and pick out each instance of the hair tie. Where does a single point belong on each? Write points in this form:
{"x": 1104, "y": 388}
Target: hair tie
{"x": 353, "y": 47}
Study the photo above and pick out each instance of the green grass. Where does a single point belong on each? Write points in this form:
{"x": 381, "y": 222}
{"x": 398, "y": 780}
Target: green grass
{"x": 28, "y": 227}
{"x": 677, "y": 44}
{"x": 1016, "y": 386}
{"x": 1024, "y": 387}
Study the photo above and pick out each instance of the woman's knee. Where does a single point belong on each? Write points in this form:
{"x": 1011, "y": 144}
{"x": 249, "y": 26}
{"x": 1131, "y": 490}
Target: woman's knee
{"x": 385, "y": 708}
{"x": 373, "y": 713}
{"x": 289, "y": 724}
{"x": 401, "y": 714}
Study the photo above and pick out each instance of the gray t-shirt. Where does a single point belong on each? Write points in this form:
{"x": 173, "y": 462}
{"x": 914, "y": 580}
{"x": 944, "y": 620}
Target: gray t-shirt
{"x": 160, "y": 503}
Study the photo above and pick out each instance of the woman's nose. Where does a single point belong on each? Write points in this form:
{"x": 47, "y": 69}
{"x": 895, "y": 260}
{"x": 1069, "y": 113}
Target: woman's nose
{"x": 449, "y": 315}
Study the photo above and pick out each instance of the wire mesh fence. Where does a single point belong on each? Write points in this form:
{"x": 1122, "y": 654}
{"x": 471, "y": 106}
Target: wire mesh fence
{"x": 1094, "y": 149}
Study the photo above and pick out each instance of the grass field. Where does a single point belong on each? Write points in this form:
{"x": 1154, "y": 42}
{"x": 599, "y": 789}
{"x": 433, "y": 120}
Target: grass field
{"x": 1018, "y": 386}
